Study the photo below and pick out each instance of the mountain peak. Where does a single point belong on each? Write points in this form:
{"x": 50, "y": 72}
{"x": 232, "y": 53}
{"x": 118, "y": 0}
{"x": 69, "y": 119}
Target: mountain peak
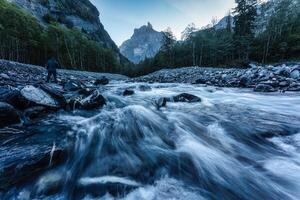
{"x": 144, "y": 29}
{"x": 149, "y": 25}
{"x": 144, "y": 43}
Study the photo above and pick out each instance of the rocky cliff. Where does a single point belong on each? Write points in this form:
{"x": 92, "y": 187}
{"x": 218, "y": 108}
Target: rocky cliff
{"x": 81, "y": 14}
{"x": 145, "y": 43}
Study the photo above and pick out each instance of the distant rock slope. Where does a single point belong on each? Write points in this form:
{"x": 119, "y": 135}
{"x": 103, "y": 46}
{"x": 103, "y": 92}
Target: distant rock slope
{"x": 145, "y": 43}
{"x": 75, "y": 13}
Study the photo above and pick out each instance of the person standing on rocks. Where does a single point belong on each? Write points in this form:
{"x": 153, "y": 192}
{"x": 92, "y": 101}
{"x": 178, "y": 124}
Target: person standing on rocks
{"x": 52, "y": 65}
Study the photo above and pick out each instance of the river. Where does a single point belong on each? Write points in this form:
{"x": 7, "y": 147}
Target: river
{"x": 234, "y": 144}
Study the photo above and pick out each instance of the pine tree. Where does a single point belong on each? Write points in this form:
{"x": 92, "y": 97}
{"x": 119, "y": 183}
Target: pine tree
{"x": 246, "y": 13}
{"x": 168, "y": 44}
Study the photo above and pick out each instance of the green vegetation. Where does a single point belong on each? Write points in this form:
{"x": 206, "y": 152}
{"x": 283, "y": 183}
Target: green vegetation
{"x": 23, "y": 39}
{"x": 278, "y": 41}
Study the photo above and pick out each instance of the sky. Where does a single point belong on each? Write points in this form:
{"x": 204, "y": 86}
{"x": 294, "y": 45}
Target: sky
{"x": 121, "y": 17}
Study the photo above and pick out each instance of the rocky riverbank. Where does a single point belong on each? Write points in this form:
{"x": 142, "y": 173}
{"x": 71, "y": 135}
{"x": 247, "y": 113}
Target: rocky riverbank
{"x": 28, "y": 103}
{"x": 271, "y": 78}
{"x": 30, "y": 141}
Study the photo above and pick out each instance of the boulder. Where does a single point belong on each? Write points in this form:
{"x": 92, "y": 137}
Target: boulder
{"x": 95, "y": 100}
{"x": 128, "y": 92}
{"x": 185, "y": 97}
{"x": 56, "y": 92}
{"x": 295, "y": 74}
{"x": 8, "y": 115}
{"x": 244, "y": 81}
{"x": 72, "y": 85}
{"x": 283, "y": 71}
{"x": 102, "y": 81}
{"x": 264, "y": 88}
{"x": 38, "y": 96}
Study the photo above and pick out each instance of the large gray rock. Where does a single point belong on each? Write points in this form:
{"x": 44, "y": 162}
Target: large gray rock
{"x": 8, "y": 115}
{"x": 295, "y": 74}
{"x": 93, "y": 101}
{"x": 56, "y": 92}
{"x": 39, "y": 96}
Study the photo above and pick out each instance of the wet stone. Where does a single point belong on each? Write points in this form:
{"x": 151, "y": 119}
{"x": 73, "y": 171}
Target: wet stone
{"x": 8, "y": 115}
{"x": 185, "y": 97}
{"x": 102, "y": 81}
{"x": 264, "y": 88}
{"x": 38, "y": 96}
{"x": 128, "y": 92}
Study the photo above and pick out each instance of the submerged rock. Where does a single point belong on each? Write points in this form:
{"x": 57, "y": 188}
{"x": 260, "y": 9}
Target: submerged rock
{"x": 38, "y": 96}
{"x": 49, "y": 184}
{"x": 161, "y": 102}
{"x": 102, "y": 81}
{"x": 128, "y": 92}
{"x": 8, "y": 115}
{"x": 185, "y": 97}
{"x": 112, "y": 184}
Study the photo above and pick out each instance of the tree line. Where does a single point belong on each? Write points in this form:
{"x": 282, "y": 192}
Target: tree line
{"x": 250, "y": 38}
{"x": 24, "y": 39}
{"x": 277, "y": 39}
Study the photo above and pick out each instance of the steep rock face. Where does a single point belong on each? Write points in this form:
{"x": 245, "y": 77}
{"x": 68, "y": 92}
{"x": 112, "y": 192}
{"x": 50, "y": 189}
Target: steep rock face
{"x": 81, "y": 14}
{"x": 145, "y": 43}
{"x": 265, "y": 10}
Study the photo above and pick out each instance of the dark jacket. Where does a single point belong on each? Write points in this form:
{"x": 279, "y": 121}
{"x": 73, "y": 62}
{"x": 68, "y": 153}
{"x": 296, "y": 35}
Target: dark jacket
{"x": 52, "y": 65}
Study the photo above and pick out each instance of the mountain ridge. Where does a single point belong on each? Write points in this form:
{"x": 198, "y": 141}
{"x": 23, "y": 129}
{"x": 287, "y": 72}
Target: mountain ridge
{"x": 144, "y": 43}
{"x": 81, "y": 14}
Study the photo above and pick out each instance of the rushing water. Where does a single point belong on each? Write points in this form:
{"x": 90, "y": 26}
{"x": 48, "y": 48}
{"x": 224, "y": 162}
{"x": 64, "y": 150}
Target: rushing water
{"x": 235, "y": 144}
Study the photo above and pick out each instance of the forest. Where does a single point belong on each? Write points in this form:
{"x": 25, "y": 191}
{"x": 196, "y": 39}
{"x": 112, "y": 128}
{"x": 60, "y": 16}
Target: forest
{"x": 24, "y": 39}
{"x": 252, "y": 39}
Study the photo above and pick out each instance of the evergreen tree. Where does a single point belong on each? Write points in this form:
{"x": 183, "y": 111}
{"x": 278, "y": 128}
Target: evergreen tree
{"x": 168, "y": 43}
{"x": 246, "y": 13}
